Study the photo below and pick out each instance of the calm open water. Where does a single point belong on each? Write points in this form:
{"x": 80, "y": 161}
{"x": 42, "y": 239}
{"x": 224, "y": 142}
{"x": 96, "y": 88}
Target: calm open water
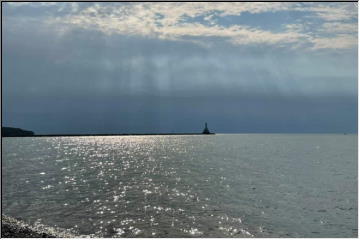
{"x": 227, "y": 185}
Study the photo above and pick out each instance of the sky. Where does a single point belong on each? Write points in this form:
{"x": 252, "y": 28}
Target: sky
{"x": 244, "y": 67}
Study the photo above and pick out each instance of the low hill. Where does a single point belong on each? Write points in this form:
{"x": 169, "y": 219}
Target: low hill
{"x": 15, "y": 132}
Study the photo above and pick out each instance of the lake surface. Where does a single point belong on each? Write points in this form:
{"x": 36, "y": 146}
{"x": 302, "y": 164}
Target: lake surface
{"x": 227, "y": 185}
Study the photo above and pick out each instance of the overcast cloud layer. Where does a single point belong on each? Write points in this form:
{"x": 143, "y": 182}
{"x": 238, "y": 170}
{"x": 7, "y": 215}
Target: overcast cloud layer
{"x": 169, "y": 67}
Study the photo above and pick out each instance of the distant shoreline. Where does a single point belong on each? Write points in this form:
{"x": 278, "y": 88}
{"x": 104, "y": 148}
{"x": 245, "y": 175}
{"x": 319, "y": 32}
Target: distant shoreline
{"x": 120, "y": 134}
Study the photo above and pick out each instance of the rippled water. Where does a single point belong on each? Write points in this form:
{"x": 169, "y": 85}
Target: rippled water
{"x": 234, "y": 185}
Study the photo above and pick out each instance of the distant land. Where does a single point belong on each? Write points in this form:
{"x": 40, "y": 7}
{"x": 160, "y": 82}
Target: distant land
{"x": 15, "y": 132}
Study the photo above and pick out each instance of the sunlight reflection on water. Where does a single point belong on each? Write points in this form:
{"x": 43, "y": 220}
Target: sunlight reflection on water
{"x": 179, "y": 186}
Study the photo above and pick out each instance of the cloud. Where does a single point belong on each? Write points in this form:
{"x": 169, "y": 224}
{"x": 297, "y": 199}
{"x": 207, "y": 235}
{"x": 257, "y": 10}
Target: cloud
{"x": 339, "y": 27}
{"x": 335, "y": 11}
{"x": 341, "y": 41}
{"x": 172, "y": 21}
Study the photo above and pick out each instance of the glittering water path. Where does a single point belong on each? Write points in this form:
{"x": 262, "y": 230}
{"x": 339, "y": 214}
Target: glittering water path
{"x": 177, "y": 186}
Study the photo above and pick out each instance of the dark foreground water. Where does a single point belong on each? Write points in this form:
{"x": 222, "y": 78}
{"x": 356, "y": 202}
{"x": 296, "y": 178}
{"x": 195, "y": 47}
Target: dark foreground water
{"x": 178, "y": 186}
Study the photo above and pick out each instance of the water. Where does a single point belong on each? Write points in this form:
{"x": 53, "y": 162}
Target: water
{"x": 227, "y": 185}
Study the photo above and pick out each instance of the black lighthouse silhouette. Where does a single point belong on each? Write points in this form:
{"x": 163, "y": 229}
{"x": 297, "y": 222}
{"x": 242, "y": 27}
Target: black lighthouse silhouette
{"x": 206, "y": 130}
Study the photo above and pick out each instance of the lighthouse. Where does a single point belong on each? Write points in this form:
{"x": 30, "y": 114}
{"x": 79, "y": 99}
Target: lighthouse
{"x": 206, "y": 130}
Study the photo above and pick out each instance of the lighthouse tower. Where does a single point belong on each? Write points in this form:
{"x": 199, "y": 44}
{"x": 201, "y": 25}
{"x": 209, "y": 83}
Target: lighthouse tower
{"x": 206, "y": 130}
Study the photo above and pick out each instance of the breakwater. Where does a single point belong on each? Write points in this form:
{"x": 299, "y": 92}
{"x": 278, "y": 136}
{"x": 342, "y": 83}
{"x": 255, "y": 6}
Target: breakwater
{"x": 120, "y": 134}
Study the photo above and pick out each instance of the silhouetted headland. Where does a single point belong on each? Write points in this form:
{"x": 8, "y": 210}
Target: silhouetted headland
{"x": 15, "y": 132}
